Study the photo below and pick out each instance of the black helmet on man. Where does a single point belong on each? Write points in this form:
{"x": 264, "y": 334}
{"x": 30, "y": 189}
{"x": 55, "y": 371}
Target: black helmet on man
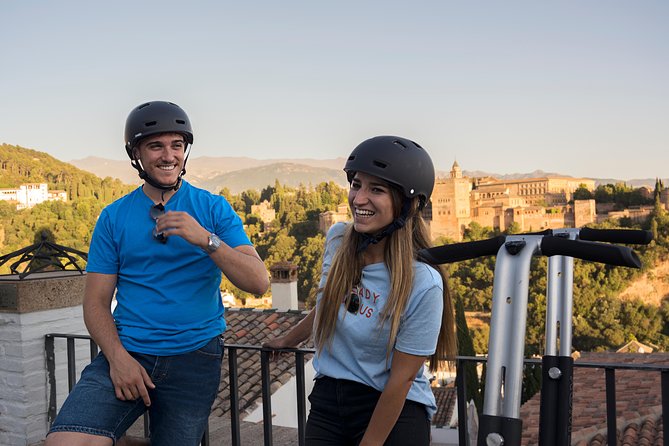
{"x": 152, "y": 118}
{"x": 397, "y": 160}
{"x": 156, "y": 117}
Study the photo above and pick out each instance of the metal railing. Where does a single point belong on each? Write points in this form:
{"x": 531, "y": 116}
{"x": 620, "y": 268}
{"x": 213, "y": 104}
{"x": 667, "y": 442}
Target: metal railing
{"x": 610, "y": 386}
{"x": 232, "y": 355}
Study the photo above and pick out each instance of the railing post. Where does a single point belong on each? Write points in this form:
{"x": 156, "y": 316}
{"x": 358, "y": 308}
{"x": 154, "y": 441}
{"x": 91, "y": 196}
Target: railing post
{"x": 94, "y": 349}
{"x": 51, "y": 376}
{"x": 71, "y": 365}
{"x": 266, "y": 397}
{"x": 301, "y": 394}
{"x": 664, "y": 378}
{"x": 460, "y": 384}
{"x": 205, "y": 436}
{"x": 234, "y": 396}
{"x": 611, "y": 428}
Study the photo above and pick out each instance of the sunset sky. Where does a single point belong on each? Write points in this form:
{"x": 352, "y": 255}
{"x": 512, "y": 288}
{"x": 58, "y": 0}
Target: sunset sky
{"x": 572, "y": 87}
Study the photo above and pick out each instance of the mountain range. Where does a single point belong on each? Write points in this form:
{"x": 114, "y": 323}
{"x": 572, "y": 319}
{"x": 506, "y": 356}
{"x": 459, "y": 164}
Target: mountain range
{"x": 242, "y": 173}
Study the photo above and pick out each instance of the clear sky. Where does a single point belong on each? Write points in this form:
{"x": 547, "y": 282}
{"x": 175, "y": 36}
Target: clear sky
{"x": 574, "y": 87}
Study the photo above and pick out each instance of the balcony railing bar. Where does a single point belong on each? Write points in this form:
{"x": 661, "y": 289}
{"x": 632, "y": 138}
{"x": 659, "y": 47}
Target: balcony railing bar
{"x": 461, "y": 386}
{"x": 611, "y": 431}
{"x": 234, "y": 396}
{"x": 266, "y": 397}
{"x": 301, "y": 394}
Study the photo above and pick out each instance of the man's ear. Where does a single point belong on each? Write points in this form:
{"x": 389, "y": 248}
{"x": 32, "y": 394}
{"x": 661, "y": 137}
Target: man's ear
{"x": 135, "y": 153}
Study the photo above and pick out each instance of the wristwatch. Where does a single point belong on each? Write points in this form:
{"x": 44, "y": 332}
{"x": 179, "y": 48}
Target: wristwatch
{"x": 212, "y": 244}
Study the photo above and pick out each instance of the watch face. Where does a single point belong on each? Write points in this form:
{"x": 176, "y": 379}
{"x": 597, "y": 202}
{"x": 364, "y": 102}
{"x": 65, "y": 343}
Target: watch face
{"x": 214, "y": 243}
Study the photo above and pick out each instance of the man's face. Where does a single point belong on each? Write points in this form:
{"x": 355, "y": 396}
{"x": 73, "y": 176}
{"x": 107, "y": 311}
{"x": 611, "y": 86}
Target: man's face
{"x": 162, "y": 156}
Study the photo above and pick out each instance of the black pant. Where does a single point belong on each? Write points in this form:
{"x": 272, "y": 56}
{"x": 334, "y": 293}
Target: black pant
{"x": 341, "y": 410}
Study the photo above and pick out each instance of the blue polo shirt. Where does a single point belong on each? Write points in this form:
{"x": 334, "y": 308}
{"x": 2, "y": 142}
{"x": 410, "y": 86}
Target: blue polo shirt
{"x": 168, "y": 295}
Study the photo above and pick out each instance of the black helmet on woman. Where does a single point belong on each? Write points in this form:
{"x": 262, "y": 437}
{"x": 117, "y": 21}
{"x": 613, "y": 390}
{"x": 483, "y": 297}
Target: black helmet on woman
{"x": 152, "y": 118}
{"x": 397, "y": 160}
{"x": 400, "y": 162}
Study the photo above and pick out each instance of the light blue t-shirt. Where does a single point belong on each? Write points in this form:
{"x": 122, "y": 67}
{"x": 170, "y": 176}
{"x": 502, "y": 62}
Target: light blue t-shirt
{"x": 168, "y": 296}
{"x": 358, "y": 350}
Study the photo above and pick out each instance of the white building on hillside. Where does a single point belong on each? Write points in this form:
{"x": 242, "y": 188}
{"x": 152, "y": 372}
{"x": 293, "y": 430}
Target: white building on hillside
{"x": 28, "y": 195}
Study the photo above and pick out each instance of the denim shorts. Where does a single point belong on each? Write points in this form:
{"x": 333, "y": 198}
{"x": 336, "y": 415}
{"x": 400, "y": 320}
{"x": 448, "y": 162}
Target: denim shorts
{"x": 186, "y": 386}
{"x": 341, "y": 410}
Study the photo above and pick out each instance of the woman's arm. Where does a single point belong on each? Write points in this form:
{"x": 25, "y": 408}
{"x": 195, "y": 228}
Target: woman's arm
{"x": 296, "y": 335}
{"x": 403, "y": 370}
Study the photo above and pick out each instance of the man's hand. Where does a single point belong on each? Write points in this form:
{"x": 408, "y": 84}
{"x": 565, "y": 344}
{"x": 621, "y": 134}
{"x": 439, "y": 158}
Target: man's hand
{"x": 184, "y": 225}
{"x": 130, "y": 380}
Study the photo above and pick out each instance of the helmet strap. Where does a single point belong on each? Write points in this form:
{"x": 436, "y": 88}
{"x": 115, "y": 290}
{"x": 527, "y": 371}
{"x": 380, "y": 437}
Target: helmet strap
{"x": 398, "y": 223}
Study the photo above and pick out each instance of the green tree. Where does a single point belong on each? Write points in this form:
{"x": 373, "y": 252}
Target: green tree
{"x": 583, "y": 193}
{"x": 466, "y": 348}
{"x": 311, "y": 259}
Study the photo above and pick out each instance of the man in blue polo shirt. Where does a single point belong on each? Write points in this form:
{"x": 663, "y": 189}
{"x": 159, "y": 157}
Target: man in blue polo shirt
{"x": 161, "y": 249}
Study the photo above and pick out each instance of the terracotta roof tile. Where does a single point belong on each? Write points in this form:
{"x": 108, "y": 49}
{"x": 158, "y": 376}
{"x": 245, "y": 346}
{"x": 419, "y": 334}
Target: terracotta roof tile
{"x": 446, "y": 404}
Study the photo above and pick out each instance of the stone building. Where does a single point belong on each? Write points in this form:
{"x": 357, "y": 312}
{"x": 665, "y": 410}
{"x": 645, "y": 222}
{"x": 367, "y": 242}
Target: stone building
{"x": 328, "y": 218}
{"x": 533, "y": 204}
{"x": 28, "y": 195}
{"x": 449, "y": 210}
{"x": 265, "y": 211}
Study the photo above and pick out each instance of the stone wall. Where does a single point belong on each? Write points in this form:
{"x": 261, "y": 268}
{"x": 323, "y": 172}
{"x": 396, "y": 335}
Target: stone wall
{"x": 23, "y": 378}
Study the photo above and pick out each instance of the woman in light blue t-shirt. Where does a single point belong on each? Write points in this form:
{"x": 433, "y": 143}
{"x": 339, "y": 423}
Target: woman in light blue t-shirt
{"x": 380, "y": 313}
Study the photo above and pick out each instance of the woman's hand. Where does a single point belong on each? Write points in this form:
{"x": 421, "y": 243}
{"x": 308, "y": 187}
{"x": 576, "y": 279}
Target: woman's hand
{"x": 277, "y": 344}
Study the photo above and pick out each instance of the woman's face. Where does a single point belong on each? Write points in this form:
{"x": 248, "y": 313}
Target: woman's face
{"x": 371, "y": 202}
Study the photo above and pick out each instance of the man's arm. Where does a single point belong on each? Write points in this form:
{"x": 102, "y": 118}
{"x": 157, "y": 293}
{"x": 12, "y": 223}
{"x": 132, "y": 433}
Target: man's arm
{"x": 128, "y": 376}
{"x": 242, "y": 264}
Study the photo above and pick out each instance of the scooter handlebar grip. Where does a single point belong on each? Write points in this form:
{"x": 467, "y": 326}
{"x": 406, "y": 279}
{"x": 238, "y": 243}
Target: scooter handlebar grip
{"x": 632, "y": 236}
{"x": 592, "y": 251}
{"x": 457, "y": 252}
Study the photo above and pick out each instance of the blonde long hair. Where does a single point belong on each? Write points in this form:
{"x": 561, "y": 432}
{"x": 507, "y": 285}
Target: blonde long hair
{"x": 400, "y": 252}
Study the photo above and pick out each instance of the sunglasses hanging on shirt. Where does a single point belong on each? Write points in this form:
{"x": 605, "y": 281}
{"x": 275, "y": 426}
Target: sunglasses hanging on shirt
{"x": 157, "y": 211}
{"x": 353, "y": 303}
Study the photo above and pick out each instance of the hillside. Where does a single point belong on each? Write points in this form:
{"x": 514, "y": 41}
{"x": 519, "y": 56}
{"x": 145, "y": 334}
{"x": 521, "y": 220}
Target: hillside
{"x": 21, "y": 165}
{"x": 235, "y": 173}
{"x": 288, "y": 174}
{"x": 203, "y": 170}
{"x": 652, "y": 287}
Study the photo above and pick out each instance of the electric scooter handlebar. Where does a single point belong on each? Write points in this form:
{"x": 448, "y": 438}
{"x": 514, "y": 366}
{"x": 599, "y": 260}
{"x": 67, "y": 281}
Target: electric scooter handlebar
{"x": 550, "y": 246}
{"x": 457, "y": 252}
{"x": 630, "y": 236}
{"x": 592, "y": 251}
